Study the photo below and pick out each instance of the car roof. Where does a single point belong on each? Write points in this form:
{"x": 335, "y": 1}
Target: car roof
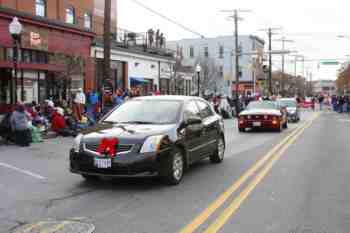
{"x": 169, "y": 97}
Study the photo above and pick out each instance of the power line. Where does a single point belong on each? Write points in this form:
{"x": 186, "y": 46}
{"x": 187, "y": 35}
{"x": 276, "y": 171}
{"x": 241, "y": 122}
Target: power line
{"x": 168, "y": 19}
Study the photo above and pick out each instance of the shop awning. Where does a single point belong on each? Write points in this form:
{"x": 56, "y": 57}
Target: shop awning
{"x": 138, "y": 81}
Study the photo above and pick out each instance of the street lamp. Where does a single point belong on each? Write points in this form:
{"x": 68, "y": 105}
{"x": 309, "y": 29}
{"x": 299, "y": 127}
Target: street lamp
{"x": 15, "y": 29}
{"x": 198, "y": 70}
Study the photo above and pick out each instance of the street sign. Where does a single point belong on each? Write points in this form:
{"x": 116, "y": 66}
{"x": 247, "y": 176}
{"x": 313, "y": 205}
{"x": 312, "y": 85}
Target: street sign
{"x": 330, "y": 63}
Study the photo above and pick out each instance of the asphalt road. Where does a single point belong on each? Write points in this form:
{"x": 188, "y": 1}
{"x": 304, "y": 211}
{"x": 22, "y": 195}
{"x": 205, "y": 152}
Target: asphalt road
{"x": 294, "y": 182}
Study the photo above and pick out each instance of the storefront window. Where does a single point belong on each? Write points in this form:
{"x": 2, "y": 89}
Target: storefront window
{"x": 164, "y": 86}
{"x": 26, "y": 56}
{"x": 2, "y": 53}
{"x": 9, "y": 54}
{"x": 5, "y": 77}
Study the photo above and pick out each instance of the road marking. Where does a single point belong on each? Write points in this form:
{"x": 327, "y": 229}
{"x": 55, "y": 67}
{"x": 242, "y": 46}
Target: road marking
{"x": 202, "y": 217}
{"x": 55, "y": 228}
{"x": 236, "y": 203}
{"x": 32, "y": 227}
{"x": 23, "y": 171}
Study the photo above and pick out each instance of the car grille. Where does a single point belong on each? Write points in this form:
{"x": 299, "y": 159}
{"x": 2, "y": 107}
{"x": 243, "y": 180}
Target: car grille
{"x": 257, "y": 117}
{"x": 120, "y": 148}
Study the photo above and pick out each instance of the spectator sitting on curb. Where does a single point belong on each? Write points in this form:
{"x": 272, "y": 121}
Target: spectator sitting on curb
{"x": 59, "y": 124}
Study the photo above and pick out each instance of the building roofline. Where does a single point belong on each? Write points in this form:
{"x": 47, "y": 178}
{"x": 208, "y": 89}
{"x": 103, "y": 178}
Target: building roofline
{"x": 223, "y": 36}
{"x": 33, "y": 19}
{"x": 99, "y": 43}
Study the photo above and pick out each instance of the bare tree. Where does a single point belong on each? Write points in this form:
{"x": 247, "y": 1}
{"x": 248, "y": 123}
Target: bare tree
{"x": 70, "y": 65}
{"x": 210, "y": 79}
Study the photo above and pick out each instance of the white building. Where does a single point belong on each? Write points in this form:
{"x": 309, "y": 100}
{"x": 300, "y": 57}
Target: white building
{"x": 325, "y": 87}
{"x": 220, "y": 49}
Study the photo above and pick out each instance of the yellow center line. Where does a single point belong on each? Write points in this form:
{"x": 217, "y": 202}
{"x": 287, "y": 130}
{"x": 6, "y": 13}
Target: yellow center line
{"x": 236, "y": 203}
{"x": 202, "y": 217}
{"x": 31, "y": 227}
{"x": 55, "y": 228}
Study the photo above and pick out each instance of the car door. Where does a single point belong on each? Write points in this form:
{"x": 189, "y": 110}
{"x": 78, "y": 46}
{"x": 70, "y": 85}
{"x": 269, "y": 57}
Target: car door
{"x": 210, "y": 129}
{"x": 193, "y": 133}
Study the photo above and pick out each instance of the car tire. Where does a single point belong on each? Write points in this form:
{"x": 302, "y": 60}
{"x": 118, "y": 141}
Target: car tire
{"x": 219, "y": 153}
{"x": 172, "y": 167}
{"x": 90, "y": 178}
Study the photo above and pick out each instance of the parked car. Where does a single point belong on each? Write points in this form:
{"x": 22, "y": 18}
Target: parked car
{"x": 267, "y": 115}
{"x": 292, "y": 108}
{"x": 151, "y": 135}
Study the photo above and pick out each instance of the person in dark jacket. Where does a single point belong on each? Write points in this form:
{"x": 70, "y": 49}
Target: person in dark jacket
{"x": 20, "y": 125}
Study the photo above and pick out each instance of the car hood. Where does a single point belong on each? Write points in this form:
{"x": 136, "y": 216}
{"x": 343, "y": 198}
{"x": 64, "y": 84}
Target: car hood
{"x": 126, "y": 133}
{"x": 261, "y": 112}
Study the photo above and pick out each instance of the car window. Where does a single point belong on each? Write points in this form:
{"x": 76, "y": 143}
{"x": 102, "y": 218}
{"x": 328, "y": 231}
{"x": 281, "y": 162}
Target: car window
{"x": 147, "y": 111}
{"x": 204, "y": 109}
{"x": 262, "y": 105}
{"x": 191, "y": 110}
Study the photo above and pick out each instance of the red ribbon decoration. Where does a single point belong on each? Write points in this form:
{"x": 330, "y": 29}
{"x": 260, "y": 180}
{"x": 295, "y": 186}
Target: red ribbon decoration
{"x": 108, "y": 147}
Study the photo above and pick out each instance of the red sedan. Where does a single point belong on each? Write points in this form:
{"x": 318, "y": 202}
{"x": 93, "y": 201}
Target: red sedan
{"x": 263, "y": 115}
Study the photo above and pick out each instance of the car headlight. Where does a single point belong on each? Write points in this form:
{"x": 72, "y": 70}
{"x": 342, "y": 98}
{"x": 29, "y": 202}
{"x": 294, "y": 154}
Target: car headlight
{"x": 292, "y": 112}
{"x": 76, "y": 143}
{"x": 152, "y": 144}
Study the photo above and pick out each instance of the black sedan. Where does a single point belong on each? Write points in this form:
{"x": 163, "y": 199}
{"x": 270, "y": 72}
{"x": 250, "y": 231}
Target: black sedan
{"x": 160, "y": 135}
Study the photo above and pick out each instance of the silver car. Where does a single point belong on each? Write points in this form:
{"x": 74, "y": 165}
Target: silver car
{"x": 292, "y": 107}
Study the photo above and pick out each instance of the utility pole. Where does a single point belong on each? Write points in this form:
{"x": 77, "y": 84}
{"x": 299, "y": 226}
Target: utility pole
{"x": 270, "y": 33}
{"x": 270, "y": 61}
{"x": 107, "y": 43}
{"x": 237, "y": 54}
{"x": 283, "y": 40}
{"x": 237, "y": 61}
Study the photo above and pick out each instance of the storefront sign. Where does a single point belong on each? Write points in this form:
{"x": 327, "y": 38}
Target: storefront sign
{"x": 35, "y": 38}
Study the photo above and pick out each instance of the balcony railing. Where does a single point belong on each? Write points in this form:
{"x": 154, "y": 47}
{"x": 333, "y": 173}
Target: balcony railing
{"x": 141, "y": 42}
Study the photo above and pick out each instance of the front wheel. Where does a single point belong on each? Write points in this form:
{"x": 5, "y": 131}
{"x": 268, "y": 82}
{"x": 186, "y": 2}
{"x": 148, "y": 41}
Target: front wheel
{"x": 218, "y": 155}
{"x": 172, "y": 167}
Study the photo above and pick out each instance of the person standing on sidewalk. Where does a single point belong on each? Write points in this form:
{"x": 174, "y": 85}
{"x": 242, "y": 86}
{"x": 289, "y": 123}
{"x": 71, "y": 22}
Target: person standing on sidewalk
{"x": 320, "y": 101}
{"x": 20, "y": 125}
{"x": 92, "y": 105}
{"x": 79, "y": 102}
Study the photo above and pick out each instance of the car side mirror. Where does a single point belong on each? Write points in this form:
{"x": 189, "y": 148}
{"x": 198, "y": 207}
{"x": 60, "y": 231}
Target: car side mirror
{"x": 193, "y": 121}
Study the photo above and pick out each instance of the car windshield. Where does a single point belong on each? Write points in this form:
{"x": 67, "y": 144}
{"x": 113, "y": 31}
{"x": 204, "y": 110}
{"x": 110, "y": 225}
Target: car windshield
{"x": 288, "y": 103}
{"x": 261, "y": 105}
{"x": 146, "y": 112}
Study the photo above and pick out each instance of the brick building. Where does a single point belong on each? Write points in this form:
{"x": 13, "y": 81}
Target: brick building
{"x": 54, "y": 32}
{"x": 61, "y": 50}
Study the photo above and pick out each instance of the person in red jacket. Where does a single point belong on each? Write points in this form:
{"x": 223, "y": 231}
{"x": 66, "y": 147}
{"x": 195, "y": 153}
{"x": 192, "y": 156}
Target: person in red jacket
{"x": 58, "y": 123}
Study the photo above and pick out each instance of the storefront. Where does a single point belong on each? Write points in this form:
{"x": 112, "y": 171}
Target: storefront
{"x": 53, "y": 60}
{"x": 132, "y": 69}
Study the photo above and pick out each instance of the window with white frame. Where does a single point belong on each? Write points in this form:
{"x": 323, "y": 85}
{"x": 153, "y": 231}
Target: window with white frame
{"x": 70, "y": 15}
{"x": 40, "y": 8}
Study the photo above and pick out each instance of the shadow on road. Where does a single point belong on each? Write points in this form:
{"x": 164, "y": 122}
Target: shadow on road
{"x": 139, "y": 183}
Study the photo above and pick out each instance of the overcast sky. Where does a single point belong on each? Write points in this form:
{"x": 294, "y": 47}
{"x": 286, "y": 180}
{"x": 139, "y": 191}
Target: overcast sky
{"x": 314, "y": 25}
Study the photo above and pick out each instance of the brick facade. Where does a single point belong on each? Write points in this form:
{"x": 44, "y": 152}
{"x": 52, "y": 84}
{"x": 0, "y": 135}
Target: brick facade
{"x": 55, "y": 34}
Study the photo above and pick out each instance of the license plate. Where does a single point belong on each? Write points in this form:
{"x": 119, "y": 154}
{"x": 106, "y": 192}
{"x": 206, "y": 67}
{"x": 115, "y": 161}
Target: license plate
{"x": 103, "y": 163}
{"x": 256, "y": 124}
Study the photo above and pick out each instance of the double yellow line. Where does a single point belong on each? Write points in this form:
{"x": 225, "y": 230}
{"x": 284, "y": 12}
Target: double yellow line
{"x": 267, "y": 161}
